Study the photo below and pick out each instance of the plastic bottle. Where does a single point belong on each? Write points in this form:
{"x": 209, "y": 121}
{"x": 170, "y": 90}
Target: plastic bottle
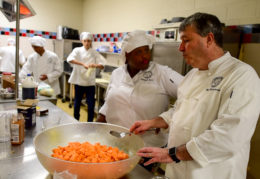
{"x": 17, "y": 129}
{"x": 29, "y": 87}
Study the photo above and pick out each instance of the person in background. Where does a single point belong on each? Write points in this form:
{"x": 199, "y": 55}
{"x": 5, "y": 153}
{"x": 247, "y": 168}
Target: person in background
{"x": 140, "y": 89}
{"x": 43, "y": 64}
{"x": 7, "y": 63}
{"x": 85, "y": 60}
{"x": 216, "y": 112}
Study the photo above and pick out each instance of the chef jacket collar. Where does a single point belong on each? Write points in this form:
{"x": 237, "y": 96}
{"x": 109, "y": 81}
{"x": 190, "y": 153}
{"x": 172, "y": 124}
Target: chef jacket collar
{"x": 130, "y": 81}
{"x": 213, "y": 65}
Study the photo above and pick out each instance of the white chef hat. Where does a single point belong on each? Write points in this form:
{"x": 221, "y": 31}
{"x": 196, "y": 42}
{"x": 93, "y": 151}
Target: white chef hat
{"x": 135, "y": 39}
{"x": 86, "y": 35}
{"x": 37, "y": 41}
{"x": 10, "y": 41}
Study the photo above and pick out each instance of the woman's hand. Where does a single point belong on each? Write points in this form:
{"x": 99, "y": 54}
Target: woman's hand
{"x": 156, "y": 154}
{"x": 43, "y": 77}
{"x": 101, "y": 118}
{"x": 139, "y": 127}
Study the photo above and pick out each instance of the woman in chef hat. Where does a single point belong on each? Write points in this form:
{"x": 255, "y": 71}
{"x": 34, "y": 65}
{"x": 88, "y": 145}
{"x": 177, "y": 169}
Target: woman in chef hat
{"x": 85, "y": 60}
{"x": 140, "y": 89}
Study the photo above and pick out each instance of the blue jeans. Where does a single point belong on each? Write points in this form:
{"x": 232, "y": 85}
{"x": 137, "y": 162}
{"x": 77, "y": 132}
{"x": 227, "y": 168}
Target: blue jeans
{"x": 90, "y": 100}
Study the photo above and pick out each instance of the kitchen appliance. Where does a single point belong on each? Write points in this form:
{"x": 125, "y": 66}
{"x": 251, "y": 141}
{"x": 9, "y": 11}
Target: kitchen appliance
{"x": 70, "y": 33}
{"x": 51, "y": 138}
{"x": 168, "y": 32}
{"x": 8, "y": 8}
{"x": 167, "y": 53}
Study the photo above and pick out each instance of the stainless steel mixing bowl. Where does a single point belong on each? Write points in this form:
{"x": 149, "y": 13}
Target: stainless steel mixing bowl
{"x": 45, "y": 141}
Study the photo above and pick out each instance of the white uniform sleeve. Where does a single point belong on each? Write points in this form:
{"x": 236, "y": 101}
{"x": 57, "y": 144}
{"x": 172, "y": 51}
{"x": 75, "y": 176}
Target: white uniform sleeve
{"x": 170, "y": 80}
{"x": 57, "y": 70}
{"x": 27, "y": 68}
{"x": 235, "y": 123}
{"x": 73, "y": 55}
{"x": 21, "y": 58}
{"x": 167, "y": 115}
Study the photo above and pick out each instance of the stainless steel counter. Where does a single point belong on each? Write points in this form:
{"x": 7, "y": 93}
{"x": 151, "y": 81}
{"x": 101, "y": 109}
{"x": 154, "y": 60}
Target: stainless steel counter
{"x": 20, "y": 162}
{"x": 39, "y": 97}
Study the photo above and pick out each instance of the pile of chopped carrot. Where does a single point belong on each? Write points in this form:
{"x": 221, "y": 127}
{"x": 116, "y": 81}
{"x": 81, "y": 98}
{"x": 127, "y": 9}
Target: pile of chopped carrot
{"x": 88, "y": 153}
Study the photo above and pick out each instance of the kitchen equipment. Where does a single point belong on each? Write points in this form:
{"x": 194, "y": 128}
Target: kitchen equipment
{"x": 167, "y": 53}
{"x": 29, "y": 88}
{"x": 51, "y": 138}
{"x": 8, "y": 8}
{"x": 123, "y": 134}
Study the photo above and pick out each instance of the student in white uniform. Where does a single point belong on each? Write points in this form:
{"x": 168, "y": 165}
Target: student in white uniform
{"x": 7, "y": 54}
{"x": 43, "y": 64}
{"x": 140, "y": 89}
{"x": 85, "y": 60}
{"x": 216, "y": 113}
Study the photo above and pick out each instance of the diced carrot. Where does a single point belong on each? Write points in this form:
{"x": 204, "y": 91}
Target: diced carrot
{"x": 88, "y": 153}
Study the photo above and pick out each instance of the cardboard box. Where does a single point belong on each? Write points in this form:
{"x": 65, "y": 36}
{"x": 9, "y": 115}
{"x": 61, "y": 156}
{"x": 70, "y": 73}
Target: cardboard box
{"x": 8, "y": 81}
{"x": 28, "y": 109}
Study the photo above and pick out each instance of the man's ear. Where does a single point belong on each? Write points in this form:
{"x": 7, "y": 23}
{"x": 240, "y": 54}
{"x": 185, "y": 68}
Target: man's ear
{"x": 210, "y": 39}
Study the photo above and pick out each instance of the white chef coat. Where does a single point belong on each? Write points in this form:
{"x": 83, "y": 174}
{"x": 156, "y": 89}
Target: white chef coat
{"x": 79, "y": 75}
{"x": 142, "y": 97}
{"x": 49, "y": 64}
{"x": 215, "y": 116}
{"x": 7, "y": 63}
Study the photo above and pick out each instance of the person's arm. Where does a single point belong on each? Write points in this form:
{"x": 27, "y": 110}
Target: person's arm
{"x": 101, "y": 118}
{"x": 139, "y": 127}
{"x": 21, "y": 58}
{"x": 161, "y": 155}
{"x": 74, "y": 56}
{"x": 101, "y": 61}
{"x": 57, "y": 69}
{"x": 235, "y": 124}
{"x": 26, "y": 69}
{"x": 79, "y": 63}
{"x": 170, "y": 80}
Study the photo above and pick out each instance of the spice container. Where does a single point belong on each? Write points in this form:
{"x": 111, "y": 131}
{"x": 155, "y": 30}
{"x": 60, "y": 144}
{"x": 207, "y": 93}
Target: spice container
{"x": 17, "y": 129}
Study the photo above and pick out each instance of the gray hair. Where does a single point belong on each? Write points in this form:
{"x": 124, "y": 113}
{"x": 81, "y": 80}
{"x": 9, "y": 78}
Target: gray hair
{"x": 204, "y": 24}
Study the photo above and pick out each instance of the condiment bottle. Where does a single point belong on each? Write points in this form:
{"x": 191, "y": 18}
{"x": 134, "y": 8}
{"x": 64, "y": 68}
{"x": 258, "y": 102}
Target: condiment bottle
{"x": 17, "y": 129}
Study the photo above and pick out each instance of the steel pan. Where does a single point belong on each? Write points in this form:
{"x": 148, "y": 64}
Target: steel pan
{"x": 45, "y": 141}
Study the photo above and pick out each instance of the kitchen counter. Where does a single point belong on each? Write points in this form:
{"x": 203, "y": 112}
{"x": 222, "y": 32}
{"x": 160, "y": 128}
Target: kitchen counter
{"x": 39, "y": 97}
{"x": 21, "y": 161}
{"x": 101, "y": 86}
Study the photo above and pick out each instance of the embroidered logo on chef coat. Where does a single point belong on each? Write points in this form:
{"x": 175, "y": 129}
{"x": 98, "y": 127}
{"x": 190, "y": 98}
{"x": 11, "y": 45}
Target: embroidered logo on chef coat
{"x": 215, "y": 82}
{"x": 147, "y": 76}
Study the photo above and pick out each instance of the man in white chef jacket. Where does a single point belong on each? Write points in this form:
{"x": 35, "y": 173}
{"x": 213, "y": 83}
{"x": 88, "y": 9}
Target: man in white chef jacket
{"x": 43, "y": 64}
{"x": 215, "y": 116}
{"x": 7, "y": 54}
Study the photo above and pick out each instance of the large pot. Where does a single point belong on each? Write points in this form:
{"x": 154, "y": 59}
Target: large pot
{"x": 45, "y": 141}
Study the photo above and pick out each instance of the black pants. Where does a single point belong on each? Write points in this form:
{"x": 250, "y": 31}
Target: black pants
{"x": 90, "y": 100}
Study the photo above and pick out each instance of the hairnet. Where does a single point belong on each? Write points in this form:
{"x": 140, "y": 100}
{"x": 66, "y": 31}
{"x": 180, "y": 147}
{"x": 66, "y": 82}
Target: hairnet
{"x": 86, "y": 35}
{"x": 135, "y": 39}
{"x": 10, "y": 41}
{"x": 37, "y": 41}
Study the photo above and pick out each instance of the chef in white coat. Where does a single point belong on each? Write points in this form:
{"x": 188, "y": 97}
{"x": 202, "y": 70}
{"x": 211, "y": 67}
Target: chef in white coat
{"x": 140, "y": 89}
{"x": 216, "y": 112}
{"x": 85, "y": 60}
{"x": 7, "y": 54}
{"x": 43, "y": 64}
